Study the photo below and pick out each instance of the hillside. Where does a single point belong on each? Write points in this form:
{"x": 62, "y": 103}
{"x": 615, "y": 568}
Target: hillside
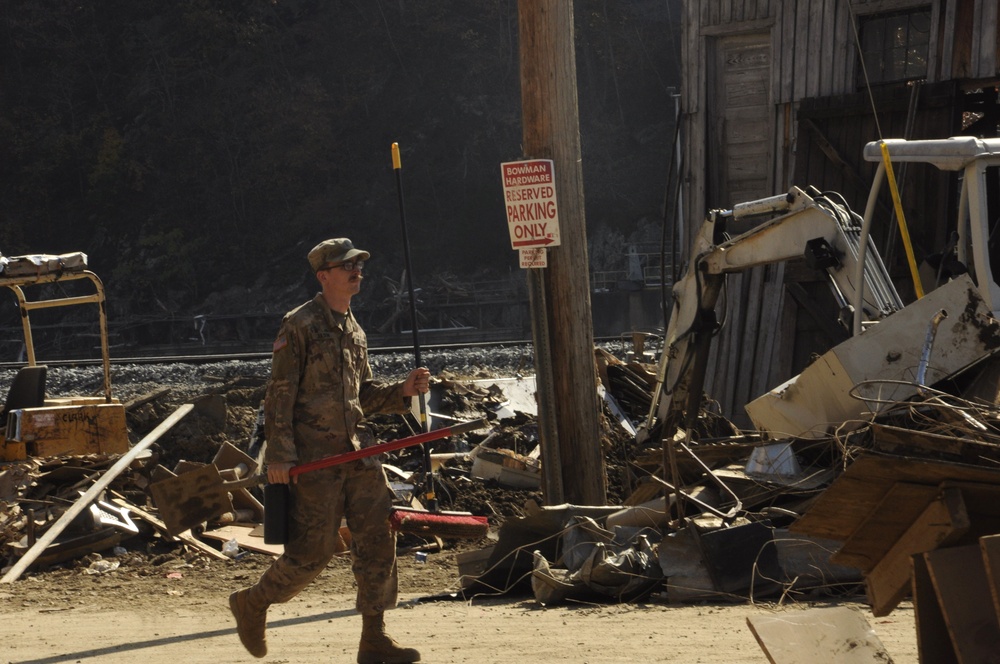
{"x": 195, "y": 150}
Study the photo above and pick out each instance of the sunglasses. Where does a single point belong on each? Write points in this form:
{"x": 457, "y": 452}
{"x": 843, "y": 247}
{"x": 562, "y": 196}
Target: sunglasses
{"x": 349, "y": 266}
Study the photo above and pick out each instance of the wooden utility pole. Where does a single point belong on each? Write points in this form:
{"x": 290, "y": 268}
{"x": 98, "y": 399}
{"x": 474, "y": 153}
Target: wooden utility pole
{"x": 564, "y": 340}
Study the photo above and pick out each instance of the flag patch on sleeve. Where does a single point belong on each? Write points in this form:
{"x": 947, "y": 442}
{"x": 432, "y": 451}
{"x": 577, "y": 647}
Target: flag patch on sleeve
{"x": 279, "y": 343}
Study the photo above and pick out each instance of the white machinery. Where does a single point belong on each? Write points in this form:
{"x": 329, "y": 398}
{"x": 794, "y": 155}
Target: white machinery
{"x": 889, "y": 349}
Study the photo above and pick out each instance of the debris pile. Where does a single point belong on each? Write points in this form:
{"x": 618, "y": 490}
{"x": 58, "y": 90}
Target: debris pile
{"x": 223, "y": 430}
{"x": 735, "y": 515}
{"x": 903, "y": 504}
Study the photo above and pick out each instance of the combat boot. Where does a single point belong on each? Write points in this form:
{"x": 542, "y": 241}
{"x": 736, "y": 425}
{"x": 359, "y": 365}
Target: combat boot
{"x": 251, "y": 619}
{"x": 377, "y": 647}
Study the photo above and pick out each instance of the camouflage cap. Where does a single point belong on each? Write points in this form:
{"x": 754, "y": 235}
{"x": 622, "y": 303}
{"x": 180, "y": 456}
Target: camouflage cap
{"x": 331, "y": 252}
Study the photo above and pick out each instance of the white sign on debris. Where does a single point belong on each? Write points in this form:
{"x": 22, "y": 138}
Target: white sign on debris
{"x": 529, "y": 194}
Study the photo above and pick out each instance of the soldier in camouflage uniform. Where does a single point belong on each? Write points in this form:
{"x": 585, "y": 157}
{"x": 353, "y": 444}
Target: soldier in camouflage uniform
{"x": 320, "y": 390}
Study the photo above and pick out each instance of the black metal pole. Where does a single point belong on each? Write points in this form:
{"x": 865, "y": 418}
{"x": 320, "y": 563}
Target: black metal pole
{"x": 397, "y": 166}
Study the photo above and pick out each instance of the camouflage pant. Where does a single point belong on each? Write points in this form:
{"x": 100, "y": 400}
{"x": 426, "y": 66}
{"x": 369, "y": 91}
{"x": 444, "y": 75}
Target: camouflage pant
{"x": 318, "y": 501}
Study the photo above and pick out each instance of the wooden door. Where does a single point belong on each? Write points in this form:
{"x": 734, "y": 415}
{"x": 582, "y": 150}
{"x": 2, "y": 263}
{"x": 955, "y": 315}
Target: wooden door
{"x": 740, "y": 117}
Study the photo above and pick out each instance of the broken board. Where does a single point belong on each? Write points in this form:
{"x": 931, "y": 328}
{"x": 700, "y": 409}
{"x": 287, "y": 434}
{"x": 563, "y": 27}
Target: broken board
{"x": 990, "y": 546}
{"x": 897, "y": 510}
{"x": 251, "y": 538}
{"x": 933, "y": 642}
{"x": 963, "y": 595}
{"x": 943, "y": 522}
{"x": 842, "y": 508}
{"x": 837, "y": 634}
{"x": 245, "y": 537}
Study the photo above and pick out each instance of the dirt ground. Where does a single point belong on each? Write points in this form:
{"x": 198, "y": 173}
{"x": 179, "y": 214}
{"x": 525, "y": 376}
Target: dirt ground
{"x": 179, "y": 613}
{"x": 159, "y": 603}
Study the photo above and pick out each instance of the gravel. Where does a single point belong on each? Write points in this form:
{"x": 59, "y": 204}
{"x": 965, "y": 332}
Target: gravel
{"x": 131, "y": 380}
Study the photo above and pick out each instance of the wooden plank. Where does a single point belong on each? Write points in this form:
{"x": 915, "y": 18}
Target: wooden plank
{"x": 959, "y": 579}
{"x": 812, "y": 51}
{"x": 843, "y": 50}
{"x": 836, "y": 634}
{"x": 712, "y": 367}
{"x": 989, "y": 545}
{"x": 947, "y": 43}
{"x": 734, "y": 341}
{"x": 799, "y": 55}
{"x": 844, "y": 506}
{"x": 933, "y": 45}
{"x": 888, "y": 521}
{"x": 744, "y": 27}
{"x": 986, "y": 65}
{"x": 982, "y": 501}
{"x": 933, "y": 642}
{"x": 824, "y": 44}
{"x": 786, "y": 59}
{"x": 246, "y": 536}
{"x": 694, "y": 132}
{"x": 964, "y": 30}
{"x": 83, "y": 429}
{"x": 751, "y": 335}
{"x": 142, "y": 400}
{"x": 942, "y": 522}
{"x": 898, "y": 440}
{"x": 785, "y": 365}
{"x": 976, "y": 45}
{"x": 765, "y": 361}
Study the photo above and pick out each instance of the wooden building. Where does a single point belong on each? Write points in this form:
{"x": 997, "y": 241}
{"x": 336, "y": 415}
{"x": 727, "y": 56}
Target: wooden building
{"x": 773, "y": 95}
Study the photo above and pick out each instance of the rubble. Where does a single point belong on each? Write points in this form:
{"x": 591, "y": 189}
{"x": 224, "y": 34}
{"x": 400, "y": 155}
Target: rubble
{"x": 224, "y": 422}
{"x": 744, "y": 518}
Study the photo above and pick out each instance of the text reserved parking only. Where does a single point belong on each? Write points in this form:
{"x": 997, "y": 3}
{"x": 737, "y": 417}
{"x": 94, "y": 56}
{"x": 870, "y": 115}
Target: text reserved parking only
{"x": 529, "y": 194}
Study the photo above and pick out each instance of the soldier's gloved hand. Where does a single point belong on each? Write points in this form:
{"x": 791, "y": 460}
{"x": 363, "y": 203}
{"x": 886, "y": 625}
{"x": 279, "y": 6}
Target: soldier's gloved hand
{"x": 277, "y": 473}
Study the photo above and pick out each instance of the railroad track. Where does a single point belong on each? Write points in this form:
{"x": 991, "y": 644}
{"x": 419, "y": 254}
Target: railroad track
{"x": 210, "y": 357}
{"x": 206, "y": 358}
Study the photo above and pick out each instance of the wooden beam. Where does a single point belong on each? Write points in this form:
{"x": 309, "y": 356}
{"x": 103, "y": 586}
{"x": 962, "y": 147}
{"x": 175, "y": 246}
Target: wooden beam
{"x": 847, "y": 503}
{"x": 890, "y": 519}
{"x": 740, "y": 28}
{"x": 933, "y": 642}
{"x": 942, "y": 522}
{"x": 990, "y": 548}
{"x": 960, "y": 586}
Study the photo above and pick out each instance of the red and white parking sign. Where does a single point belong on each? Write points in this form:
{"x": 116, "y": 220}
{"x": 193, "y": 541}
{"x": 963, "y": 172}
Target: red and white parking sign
{"x": 529, "y": 194}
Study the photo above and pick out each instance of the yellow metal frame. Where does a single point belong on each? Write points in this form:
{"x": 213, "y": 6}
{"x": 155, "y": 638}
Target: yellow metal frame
{"x": 26, "y": 306}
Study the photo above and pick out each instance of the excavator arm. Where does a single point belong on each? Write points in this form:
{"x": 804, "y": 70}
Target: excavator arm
{"x": 821, "y": 228}
{"x": 818, "y": 228}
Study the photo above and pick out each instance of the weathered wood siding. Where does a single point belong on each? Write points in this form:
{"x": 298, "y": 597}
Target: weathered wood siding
{"x": 818, "y": 121}
{"x": 813, "y": 54}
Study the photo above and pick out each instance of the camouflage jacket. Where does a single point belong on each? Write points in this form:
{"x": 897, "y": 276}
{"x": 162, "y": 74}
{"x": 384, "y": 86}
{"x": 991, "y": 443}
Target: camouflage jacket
{"x": 321, "y": 386}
